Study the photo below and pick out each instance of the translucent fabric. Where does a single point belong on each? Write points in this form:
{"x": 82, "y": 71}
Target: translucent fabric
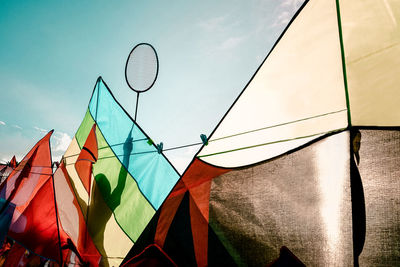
{"x": 131, "y": 178}
{"x": 380, "y": 173}
{"x": 301, "y": 201}
{"x": 244, "y": 216}
{"x": 29, "y": 188}
{"x": 153, "y": 173}
{"x": 298, "y": 93}
{"x": 371, "y": 36}
{"x": 72, "y": 220}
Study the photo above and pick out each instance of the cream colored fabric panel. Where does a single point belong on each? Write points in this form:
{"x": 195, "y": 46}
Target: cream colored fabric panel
{"x": 301, "y": 78}
{"x": 70, "y": 157}
{"x": 69, "y": 217}
{"x": 107, "y": 235}
{"x": 270, "y": 147}
{"x": 110, "y": 234}
{"x": 371, "y": 36}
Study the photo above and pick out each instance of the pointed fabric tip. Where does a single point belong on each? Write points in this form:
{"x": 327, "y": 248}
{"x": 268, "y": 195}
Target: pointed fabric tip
{"x": 87, "y": 157}
{"x": 13, "y": 162}
{"x": 47, "y": 136}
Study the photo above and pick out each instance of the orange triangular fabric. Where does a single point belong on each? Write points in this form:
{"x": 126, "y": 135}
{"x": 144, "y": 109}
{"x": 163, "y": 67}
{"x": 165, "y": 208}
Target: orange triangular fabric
{"x": 87, "y": 157}
{"x": 166, "y": 216}
{"x": 197, "y": 180}
{"x": 199, "y": 213}
{"x": 13, "y": 162}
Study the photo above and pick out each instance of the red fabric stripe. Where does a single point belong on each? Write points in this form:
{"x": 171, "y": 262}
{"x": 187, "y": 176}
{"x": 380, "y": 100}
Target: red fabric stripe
{"x": 83, "y": 164}
{"x": 30, "y": 188}
{"x": 145, "y": 263}
{"x": 166, "y": 216}
{"x": 13, "y": 162}
{"x": 83, "y": 242}
{"x": 199, "y": 224}
{"x": 197, "y": 180}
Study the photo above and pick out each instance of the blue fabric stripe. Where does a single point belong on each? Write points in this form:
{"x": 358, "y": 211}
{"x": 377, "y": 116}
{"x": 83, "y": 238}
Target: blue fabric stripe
{"x": 153, "y": 173}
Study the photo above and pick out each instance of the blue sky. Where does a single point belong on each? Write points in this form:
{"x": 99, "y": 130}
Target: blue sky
{"x": 52, "y": 52}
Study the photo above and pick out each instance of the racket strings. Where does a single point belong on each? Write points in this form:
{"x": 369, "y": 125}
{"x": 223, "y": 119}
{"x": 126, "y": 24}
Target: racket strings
{"x": 142, "y": 67}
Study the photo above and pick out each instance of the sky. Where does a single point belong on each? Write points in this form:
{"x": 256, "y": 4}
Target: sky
{"x": 52, "y": 52}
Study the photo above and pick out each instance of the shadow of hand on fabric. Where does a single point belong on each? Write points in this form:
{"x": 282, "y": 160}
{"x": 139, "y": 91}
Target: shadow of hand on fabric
{"x": 104, "y": 200}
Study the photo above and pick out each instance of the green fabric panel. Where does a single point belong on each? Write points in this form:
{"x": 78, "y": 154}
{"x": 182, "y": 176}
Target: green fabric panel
{"x": 120, "y": 191}
{"x": 152, "y": 171}
{"x": 84, "y": 129}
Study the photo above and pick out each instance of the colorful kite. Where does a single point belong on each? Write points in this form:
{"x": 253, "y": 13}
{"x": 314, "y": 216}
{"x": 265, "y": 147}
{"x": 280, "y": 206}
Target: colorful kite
{"x": 131, "y": 176}
{"x": 46, "y": 223}
{"x": 28, "y": 202}
{"x": 306, "y": 162}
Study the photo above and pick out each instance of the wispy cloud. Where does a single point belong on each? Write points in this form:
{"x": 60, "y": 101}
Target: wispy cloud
{"x": 40, "y": 129}
{"x": 286, "y": 10}
{"x": 227, "y": 28}
{"x": 231, "y": 43}
{"x": 292, "y": 4}
{"x": 61, "y": 141}
{"x": 59, "y": 144}
{"x": 17, "y": 126}
{"x": 214, "y": 24}
{"x": 2, "y": 123}
{"x": 283, "y": 18}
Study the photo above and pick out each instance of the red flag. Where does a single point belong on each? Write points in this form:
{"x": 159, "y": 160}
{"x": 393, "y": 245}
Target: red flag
{"x": 87, "y": 157}
{"x": 30, "y": 188}
{"x": 13, "y": 162}
{"x": 11, "y": 186}
{"x": 73, "y": 222}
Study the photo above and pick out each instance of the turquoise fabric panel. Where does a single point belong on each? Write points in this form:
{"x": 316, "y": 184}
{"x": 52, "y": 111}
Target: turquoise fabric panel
{"x": 153, "y": 173}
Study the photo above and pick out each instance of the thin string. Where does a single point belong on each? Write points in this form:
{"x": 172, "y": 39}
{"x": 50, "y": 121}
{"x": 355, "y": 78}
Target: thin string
{"x": 104, "y": 147}
{"x": 213, "y": 140}
{"x": 277, "y": 125}
{"x": 216, "y": 139}
{"x": 269, "y": 143}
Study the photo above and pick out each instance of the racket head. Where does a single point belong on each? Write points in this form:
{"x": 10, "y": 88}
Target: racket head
{"x": 141, "y": 68}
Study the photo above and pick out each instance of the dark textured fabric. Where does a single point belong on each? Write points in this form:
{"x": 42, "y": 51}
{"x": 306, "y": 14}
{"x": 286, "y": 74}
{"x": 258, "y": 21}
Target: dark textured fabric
{"x": 318, "y": 202}
{"x": 380, "y": 173}
{"x": 301, "y": 201}
{"x": 179, "y": 241}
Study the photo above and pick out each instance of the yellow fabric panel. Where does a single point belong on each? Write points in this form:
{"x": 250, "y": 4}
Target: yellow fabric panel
{"x": 103, "y": 228}
{"x": 107, "y": 235}
{"x": 301, "y": 78}
{"x": 371, "y": 37}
